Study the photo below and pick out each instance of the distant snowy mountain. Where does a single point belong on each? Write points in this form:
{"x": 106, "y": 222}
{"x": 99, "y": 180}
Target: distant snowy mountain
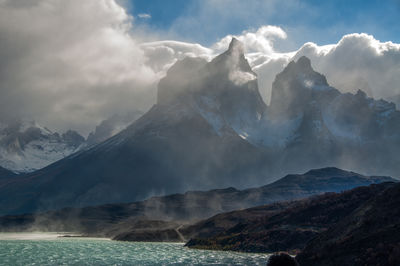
{"x": 26, "y": 146}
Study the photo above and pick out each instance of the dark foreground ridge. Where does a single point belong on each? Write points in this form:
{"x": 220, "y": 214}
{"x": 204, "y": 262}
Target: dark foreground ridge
{"x": 284, "y": 226}
{"x": 357, "y": 227}
{"x": 161, "y": 218}
{"x": 370, "y": 235}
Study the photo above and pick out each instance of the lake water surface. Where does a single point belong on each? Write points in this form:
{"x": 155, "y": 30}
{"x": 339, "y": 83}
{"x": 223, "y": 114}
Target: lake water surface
{"x": 50, "y": 249}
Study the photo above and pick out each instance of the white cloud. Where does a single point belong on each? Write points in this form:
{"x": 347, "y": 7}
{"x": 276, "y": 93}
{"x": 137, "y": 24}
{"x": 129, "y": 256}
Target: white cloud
{"x": 144, "y": 16}
{"x": 358, "y": 61}
{"x": 259, "y": 41}
{"x": 162, "y": 54}
{"x": 69, "y": 69}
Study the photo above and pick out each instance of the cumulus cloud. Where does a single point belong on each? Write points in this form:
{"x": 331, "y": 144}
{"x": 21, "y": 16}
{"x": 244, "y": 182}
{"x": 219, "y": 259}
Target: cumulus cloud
{"x": 357, "y": 61}
{"x": 259, "y": 41}
{"x": 161, "y": 55}
{"x": 69, "y": 69}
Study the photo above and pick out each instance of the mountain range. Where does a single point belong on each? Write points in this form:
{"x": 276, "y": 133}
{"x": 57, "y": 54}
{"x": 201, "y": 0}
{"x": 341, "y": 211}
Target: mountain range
{"x": 150, "y": 219}
{"x": 26, "y": 146}
{"x": 210, "y": 128}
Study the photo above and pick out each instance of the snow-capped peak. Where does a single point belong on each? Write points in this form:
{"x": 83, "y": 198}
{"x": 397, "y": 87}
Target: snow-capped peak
{"x": 26, "y": 146}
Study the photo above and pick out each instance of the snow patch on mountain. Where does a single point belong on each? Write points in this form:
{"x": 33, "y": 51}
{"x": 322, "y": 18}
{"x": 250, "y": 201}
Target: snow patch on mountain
{"x": 308, "y": 83}
{"x": 209, "y": 109}
{"x": 26, "y": 146}
{"x": 35, "y": 155}
{"x": 240, "y": 78}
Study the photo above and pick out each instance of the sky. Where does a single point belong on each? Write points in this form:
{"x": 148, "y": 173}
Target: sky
{"x": 322, "y": 22}
{"x": 71, "y": 64}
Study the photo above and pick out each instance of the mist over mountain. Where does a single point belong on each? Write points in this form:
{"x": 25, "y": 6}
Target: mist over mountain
{"x": 111, "y": 126}
{"x": 210, "y": 128}
{"x": 121, "y": 220}
{"x": 325, "y": 126}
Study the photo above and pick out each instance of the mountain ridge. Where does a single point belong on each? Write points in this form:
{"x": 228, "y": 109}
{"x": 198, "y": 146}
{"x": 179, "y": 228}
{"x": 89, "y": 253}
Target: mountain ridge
{"x": 289, "y": 226}
{"x": 26, "y": 146}
{"x": 368, "y": 236}
{"x": 190, "y": 206}
{"x": 210, "y": 128}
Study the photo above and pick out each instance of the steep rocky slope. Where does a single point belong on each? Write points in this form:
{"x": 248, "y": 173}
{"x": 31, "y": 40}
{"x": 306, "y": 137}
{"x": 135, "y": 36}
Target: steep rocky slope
{"x": 289, "y": 226}
{"x": 370, "y": 235}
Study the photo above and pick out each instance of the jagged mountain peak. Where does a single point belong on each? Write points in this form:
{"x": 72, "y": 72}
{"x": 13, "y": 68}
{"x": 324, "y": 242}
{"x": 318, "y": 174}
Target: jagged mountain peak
{"x": 233, "y": 60}
{"x": 235, "y": 44}
{"x": 303, "y": 72}
{"x": 224, "y": 91}
{"x": 191, "y": 75}
{"x": 304, "y": 62}
{"x": 296, "y": 86}
{"x": 361, "y": 94}
{"x": 180, "y": 80}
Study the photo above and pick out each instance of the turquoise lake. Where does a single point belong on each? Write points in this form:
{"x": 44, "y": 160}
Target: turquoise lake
{"x": 50, "y": 249}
